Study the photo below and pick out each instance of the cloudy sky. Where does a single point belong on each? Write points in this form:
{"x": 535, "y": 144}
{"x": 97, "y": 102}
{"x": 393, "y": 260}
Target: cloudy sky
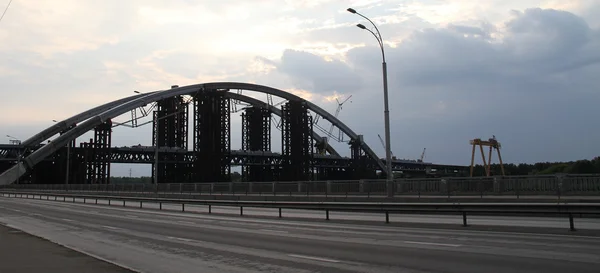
{"x": 526, "y": 71}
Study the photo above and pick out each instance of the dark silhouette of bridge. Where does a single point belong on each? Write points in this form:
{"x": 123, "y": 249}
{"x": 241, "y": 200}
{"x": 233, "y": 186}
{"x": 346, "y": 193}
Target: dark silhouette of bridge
{"x": 305, "y": 155}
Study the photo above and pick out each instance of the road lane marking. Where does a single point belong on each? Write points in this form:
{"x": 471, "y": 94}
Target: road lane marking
{"x": 180, "y": 239}
{"x": 314, "y": 258}
{"x": 132, "y": 216}
{"x": 109, "y": 227}
{"x": 186, "y": 222}
{"x": 432, "y": 244}
{"x": 68, "y": 220}
{"x": 271, "y": 230}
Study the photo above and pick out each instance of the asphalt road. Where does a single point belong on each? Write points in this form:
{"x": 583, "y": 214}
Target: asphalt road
{"x": 167, "y": 241}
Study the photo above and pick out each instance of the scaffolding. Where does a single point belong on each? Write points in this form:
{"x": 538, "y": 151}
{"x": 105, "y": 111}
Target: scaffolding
{"x": 212, "y": 135}
{"x": 256, "y": 136}
{"x": 170, "y": 129}
{"x": 297, "y": 142}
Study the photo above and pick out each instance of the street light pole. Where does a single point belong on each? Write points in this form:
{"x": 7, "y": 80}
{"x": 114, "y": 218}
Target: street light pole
{"x": 386, "y": 110}
{"x": 18, "y": 142}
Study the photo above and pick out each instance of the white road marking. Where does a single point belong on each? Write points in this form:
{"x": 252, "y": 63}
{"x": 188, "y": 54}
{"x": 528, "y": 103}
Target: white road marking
{"x": 180, "y": 239}
{"x": 186, "y": 222}
{"x": 313, "y": 258}
{"x": 271, "y": 230}
{"x": 68, "y": 220}
{"x": 132, "y": 216}
{"x": 35, "y": 214}
{"x": 109, "y": 227}
{"x": 432, "y": 244}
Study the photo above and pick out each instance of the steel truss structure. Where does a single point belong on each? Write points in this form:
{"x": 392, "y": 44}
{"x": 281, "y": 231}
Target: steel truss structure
{"x": 211, "y": 157}
{"x": 96, "y": 155}
{"x": 296, "y": 142}
{"x": 256, "y": 136}
{"x": 170, "y": 129}
{"x": 212, "y": 136}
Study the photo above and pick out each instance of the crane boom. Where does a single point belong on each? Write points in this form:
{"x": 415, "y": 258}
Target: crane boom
{"x": 337, "y": 112}
{"x": 383, "y": 144}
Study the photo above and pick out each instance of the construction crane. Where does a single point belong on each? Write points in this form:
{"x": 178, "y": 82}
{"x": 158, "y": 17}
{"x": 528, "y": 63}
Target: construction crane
{"x": 383, "y": 144}
{"x": 493, "y": 144}
{"x": 337, "y": 112}
{"x": 422, "y": 155}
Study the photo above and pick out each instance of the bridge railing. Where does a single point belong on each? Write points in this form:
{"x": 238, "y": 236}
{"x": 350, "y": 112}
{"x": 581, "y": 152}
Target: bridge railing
{"x": 553, "y": 185}
{"x": 384, "y": 208}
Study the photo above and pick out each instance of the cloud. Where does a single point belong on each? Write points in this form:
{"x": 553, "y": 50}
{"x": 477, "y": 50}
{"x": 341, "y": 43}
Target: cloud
{"x": 451, "y": 84}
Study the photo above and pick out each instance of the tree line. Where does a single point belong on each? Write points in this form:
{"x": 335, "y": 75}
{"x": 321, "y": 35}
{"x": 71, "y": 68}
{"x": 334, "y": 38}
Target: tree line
{"x": 571, "y": 167}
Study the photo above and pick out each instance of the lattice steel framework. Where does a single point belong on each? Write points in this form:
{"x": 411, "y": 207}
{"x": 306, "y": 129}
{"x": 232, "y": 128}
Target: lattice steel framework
{"x": 256, "y": 136}
{"x": 296, "y": 142}
{"x": 212, "y": 137}
{"x": 170, "y": 129}
{"x": 362, "y": 166}
{"x": 96, "y": 155}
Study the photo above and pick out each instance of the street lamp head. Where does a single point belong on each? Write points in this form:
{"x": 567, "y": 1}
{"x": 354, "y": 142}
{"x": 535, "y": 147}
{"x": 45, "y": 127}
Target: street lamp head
{"x": 361, "y": 26}
{"x": 351, "y": 10}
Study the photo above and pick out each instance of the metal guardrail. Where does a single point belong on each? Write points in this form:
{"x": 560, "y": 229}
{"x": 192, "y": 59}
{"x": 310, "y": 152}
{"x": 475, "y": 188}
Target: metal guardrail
{"x": 538, "y": 209}
{"x": 550, "y": 185}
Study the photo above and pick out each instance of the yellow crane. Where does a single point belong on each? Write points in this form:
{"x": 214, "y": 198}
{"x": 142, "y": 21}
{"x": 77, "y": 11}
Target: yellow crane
{"x": 493, "y": 144}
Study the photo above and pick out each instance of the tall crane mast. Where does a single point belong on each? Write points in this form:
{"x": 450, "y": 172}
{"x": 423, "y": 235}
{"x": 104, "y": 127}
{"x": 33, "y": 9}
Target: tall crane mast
{"x": 422, "y": 155}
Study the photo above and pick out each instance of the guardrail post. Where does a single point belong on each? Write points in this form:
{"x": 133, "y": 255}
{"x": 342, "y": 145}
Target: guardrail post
{"x": 571, "y": 223}
{"x": 560, "y": 180}
{"x": 123, "y": 203}
{"x": 387, "y": 217}
{"x": 109, "y": 202}
{"x": 160, "y": 205}
{"x": 209, "y": 209}
{"x": 279, "y": 212}
{"x": 141, "y": 204}
{"x": 326, "y": 214}
{"x": 241, "y": 211}
{"x": 465, "y": 219}
{"x": 361, "y": 186}
{"x": 182, "y": 207}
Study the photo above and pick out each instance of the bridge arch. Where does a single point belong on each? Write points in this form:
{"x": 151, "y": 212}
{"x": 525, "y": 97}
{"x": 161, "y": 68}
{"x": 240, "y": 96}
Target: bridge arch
{"x": 103, "y": 113}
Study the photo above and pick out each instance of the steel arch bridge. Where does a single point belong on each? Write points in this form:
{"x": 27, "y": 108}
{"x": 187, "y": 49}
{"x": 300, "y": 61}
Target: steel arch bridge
{"x": 211, "y": 158}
